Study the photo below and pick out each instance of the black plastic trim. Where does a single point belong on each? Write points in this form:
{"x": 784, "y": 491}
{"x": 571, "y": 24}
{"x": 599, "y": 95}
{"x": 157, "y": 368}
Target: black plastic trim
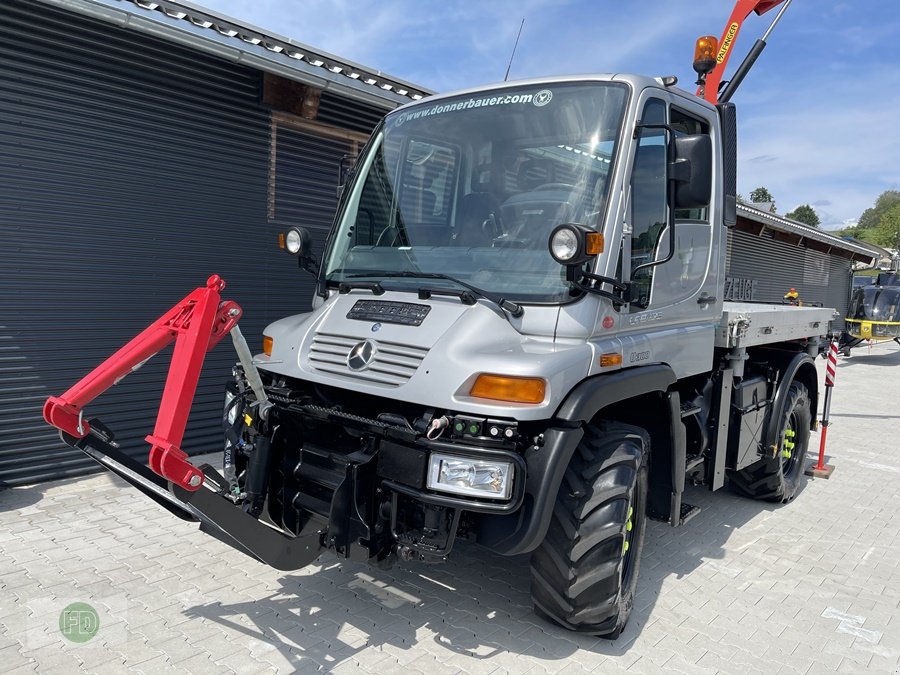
{"x": 546, "y": 465}
{"x": 788, "y": 374}
{"x": 599, "y": 391}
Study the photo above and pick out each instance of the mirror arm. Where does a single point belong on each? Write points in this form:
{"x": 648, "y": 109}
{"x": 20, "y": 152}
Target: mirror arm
{"x": 615, "y": 283}
{"x": 577, "y": 276}
{"x": 670, "y": 192}
{"x": 308, "y": 263}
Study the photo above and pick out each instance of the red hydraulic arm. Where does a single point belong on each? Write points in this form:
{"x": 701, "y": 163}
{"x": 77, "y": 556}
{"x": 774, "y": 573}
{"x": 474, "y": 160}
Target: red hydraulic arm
{"x": 196, "y": 325}
{"x": 742, "y": 9}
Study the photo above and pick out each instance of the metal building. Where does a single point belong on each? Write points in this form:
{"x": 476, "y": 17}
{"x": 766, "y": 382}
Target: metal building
{"x": 768, "y": 255}
{"x": 143, "y": 147}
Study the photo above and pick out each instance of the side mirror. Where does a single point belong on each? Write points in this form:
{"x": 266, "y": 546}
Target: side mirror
{"x": 692, "y": 171}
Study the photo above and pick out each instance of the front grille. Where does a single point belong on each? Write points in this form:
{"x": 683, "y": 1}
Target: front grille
{"x": 392, "y": 365}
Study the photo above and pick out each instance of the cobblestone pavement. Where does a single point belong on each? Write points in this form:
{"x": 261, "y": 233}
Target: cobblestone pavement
{"x": 745, "y": 587}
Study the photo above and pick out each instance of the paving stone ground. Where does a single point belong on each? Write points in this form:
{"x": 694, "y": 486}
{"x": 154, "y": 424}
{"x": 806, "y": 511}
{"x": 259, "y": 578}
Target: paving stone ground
{"x": 745, "y": 587}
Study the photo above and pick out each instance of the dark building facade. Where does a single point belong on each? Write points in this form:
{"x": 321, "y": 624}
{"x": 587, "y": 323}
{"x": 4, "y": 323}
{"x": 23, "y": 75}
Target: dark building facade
{"x": 767, "y": 255}
{"x": 144, "y": 147}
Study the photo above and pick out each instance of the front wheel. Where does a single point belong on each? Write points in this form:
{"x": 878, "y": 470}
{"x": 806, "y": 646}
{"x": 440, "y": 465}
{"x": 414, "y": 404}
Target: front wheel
{"x": 777, "y": 479}
{"x": 584, "y": 574}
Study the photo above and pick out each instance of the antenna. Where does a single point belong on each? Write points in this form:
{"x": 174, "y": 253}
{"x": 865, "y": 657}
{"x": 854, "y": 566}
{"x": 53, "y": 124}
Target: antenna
{"x": 513, "y": 55}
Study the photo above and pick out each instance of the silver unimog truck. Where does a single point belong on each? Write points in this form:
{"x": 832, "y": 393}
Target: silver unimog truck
{"x": 519, "y": 338}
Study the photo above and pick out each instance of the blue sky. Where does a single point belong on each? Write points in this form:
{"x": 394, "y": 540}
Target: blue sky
{"x": 819, "y": 114}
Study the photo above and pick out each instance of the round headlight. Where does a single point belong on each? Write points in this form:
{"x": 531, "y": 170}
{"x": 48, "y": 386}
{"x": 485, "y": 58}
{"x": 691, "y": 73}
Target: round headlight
{"x": 564, "y": 244}
{"x": 293, "y": 241}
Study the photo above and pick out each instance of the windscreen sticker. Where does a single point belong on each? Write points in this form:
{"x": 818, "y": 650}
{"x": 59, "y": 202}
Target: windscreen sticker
{"x": 539, "y": 100}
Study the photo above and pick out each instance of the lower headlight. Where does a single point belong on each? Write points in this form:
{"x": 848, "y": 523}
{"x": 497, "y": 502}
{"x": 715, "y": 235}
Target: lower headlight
{"x": 474, "y": 477}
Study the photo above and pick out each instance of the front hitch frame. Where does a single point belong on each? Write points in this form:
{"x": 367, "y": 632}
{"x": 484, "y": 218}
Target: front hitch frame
{"x": 217, "y": 516}
{"x": 196, "y": 324}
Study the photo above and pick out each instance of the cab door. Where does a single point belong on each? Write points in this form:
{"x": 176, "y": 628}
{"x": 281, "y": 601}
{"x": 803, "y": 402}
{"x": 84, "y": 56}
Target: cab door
{"x": 674, "y": 297}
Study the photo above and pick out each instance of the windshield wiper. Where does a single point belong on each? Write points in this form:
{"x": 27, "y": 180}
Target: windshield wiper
{"x": 515, "y": 309}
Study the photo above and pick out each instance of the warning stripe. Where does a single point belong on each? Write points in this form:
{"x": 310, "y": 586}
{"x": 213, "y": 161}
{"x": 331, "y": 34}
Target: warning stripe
{"x": 832, "y": 364}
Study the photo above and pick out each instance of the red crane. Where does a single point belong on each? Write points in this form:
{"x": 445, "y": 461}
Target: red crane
{"x": 711, "y": 56}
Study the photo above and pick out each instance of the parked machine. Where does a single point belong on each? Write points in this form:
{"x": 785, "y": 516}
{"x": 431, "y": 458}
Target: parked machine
{"x": 874, "y": 312}
{"x": 518, "y": 337}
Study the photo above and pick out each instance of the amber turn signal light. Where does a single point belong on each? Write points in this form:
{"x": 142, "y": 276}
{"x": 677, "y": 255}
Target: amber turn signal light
{"x": 593, "y": 243}
{"x": 509, "y": 388}
{"x": 267, "y": 345}
{"x": 612, "y": 359}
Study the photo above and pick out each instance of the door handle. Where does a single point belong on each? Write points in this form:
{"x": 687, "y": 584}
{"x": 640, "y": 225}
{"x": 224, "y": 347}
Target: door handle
{"x": 705, "y": 299}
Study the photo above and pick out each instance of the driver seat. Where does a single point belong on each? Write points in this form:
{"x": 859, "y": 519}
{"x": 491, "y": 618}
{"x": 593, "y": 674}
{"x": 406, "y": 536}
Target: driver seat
{"x": 473, "y": 215}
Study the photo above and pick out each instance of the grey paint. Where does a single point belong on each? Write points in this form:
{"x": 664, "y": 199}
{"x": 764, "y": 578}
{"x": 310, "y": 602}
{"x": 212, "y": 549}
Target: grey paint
{"x": 130, "y": 170}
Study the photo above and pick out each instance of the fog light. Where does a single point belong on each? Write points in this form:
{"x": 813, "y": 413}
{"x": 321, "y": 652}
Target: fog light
{"x": 564, "y": 244}
{"x": 475, "y": 477}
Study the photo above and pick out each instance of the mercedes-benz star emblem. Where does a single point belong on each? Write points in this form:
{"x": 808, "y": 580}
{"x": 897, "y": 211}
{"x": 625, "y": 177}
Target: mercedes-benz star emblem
{"x": 362, "y": 355}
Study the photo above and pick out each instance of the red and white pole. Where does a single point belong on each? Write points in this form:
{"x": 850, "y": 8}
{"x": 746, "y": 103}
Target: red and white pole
{"x": 820, "y": 469}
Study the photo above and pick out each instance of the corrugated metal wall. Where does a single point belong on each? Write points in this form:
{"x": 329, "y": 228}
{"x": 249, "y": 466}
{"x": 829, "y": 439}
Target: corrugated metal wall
{"x": 130, "y": 170}
{"x": 778, "y": 266}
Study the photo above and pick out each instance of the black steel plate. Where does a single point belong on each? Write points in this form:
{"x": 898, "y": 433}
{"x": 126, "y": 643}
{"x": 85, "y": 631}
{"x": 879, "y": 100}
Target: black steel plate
{"x": 405, "y": 313}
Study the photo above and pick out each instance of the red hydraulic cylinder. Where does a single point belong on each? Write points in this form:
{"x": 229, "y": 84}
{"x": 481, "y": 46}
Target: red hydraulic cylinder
{"x": 196, "y": 325}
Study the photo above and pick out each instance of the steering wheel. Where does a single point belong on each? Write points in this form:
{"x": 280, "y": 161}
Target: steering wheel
{"x": 554, "y": 186}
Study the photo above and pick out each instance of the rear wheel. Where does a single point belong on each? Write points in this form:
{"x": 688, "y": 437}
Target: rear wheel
{"x": 776, "y": 479}
{"x": 584, "y": 574}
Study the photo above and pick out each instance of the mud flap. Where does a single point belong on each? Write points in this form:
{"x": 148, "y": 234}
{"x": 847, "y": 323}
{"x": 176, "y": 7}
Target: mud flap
{"x": 217, "y": 515}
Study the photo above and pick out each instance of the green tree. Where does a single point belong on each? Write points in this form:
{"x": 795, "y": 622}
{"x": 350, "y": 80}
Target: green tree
{"x": 762, "y": 195}
{"x": 871, "y": 217}
{"x": 804, "y": 214}
{"x": 887, "y": 232}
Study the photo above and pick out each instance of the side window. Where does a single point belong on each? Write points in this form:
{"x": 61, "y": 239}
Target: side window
{"x": 686, "y": 124}
{"x": 648, "y": 198}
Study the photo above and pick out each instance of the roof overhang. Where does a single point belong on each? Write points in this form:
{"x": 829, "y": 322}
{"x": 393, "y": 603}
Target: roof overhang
{"x": 204, "y": 30}
{"x": 790, "y": 231}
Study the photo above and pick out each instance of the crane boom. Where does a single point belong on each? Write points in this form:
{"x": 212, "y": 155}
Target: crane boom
{"x": 742, "y": 9}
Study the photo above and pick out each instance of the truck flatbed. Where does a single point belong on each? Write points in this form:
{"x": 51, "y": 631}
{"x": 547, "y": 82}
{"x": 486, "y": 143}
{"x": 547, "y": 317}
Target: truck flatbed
{"x": 749, "y": 324}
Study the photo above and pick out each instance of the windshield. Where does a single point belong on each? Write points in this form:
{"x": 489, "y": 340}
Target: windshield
{"x": 471, "y": 187}
{"x": 875, "y": 303}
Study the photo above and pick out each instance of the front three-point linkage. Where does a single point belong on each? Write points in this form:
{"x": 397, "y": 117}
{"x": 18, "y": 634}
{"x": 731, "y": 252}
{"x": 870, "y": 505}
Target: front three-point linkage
{"x": 195, "y": 325}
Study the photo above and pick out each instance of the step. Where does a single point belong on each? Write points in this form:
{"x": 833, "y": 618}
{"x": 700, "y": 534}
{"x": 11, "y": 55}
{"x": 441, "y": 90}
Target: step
{"x": 688, "y": 409}
{"x": 693, "y": 461}
{"x": 688, "y": 511}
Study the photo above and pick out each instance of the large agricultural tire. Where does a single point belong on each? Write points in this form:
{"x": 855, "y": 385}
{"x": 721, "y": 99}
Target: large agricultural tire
{"x": 584, "y": 573}
{"x": 777, "y": 479}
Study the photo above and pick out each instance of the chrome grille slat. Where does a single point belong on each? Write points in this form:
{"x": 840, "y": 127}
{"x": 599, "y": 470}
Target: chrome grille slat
{"x": 394, "y": 363}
